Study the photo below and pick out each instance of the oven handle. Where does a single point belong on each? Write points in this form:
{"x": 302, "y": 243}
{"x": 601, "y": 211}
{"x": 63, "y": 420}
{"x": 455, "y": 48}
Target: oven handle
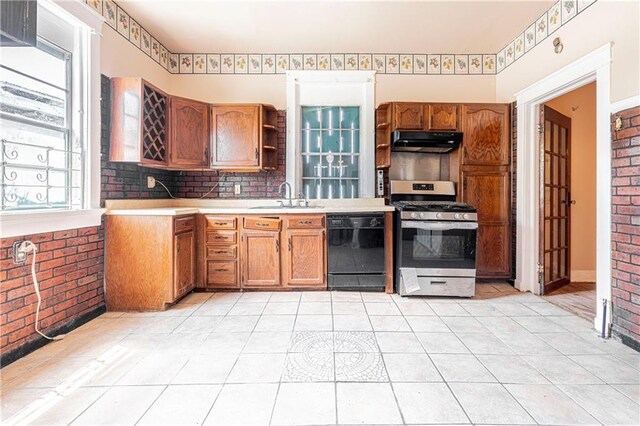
{"x": 438, "y": 226}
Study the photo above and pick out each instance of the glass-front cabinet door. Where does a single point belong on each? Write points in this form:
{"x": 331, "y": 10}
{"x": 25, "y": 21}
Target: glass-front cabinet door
{"x": 330, "y": 151}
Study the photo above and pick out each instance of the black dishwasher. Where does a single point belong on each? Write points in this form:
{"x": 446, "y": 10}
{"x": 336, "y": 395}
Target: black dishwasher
{"x": 355, "y": 251}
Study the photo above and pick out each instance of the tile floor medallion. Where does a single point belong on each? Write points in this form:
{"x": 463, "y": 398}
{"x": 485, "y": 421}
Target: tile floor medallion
{"x": 321, "y": 358}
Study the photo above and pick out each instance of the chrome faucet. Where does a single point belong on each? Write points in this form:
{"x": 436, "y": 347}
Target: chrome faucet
{"x": 288, "y": 185}
{"x": 302, "y": 200}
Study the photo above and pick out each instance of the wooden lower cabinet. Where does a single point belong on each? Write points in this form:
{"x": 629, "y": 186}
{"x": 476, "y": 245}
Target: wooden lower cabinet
{"x": 304, "y": 259}
{"x": 260, "y": 258}
{"x": 220, "y": 252}
{"x": 150, "y": 261}
{"x": 184, "y": 263}
{"x": 488, "y": 189}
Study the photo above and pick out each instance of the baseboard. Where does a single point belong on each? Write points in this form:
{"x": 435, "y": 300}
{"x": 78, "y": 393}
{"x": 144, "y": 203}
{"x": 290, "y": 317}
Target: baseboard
{"x": 626, "y": 340}
{"x": 583, "y": 276}
{"x": 27, "y": 348}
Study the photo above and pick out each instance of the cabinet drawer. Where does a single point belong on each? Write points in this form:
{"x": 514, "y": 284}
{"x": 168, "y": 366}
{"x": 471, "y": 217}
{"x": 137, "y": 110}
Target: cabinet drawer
{"x": 261, "y": 223}
{"x": 221, "y": 237}
{"x": 183, "y": 224}
{"x": 222, "y": 252}
{"x": 221, "y": 273}
{"x": 214, "y": 222}
{"x": 305, "y": 222}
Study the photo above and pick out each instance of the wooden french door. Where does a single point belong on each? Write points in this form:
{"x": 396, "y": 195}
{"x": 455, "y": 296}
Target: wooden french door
{"x": 555, "y": 198}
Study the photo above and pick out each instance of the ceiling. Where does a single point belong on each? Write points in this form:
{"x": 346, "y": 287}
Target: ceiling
{"x": 270, "y": 26}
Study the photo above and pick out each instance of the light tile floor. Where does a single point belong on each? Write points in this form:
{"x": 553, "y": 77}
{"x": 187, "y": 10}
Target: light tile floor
{"x": 319, "y": 358}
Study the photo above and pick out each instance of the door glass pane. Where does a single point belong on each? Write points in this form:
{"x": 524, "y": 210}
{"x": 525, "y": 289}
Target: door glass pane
{"x": 563, "y": 171}
{"x": 547, "y": 168}
{"x": 563, "y": 141}
{"x": 554, "y": 211}
{"x": 547, "y": 234}
{"x": 547, "y": 199}
{"x": 563, "y": 231}
{"x": 330, "y": 151}
{"x": 547, "y": 267}
{"x": 563, "y": 263}
{"x": 547, "y": 136}
{"x": 556, "y": 169}
{"x": 554, "y": 138}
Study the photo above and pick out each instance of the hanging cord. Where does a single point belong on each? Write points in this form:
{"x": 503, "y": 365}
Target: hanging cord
{"x": 199, "y": 198}
{"x": 26, "y": 247}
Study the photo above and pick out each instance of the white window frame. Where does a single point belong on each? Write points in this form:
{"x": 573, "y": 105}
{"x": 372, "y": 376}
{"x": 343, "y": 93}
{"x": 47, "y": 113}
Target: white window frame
{"x": 331, "y": 88}
{"x": 87, "y": 30}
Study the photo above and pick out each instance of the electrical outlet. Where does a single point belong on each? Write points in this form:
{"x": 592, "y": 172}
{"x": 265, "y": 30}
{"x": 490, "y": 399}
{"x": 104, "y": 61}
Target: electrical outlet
{"x": 151, "y": 182}
{"x": 237, "y": 189}
{"x": 19, "y": 256}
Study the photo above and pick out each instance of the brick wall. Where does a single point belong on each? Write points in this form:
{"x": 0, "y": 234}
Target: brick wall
{"x": 70, "y": 272}
{"x": 253, "y": 185}
{"x": 514, "y": 177}
{"x": 625, "y": 210}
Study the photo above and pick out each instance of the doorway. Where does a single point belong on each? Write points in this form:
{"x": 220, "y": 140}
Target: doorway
{"x": 594, "y": 66}
{"x": 568, "y": 213}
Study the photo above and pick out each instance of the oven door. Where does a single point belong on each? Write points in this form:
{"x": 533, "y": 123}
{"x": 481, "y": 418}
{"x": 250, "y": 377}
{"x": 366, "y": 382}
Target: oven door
{"x": 438, "y": 245}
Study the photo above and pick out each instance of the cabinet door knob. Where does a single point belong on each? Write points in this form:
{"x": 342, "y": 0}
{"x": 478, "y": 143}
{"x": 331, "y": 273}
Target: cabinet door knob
{"x": 289, "y": 243}
{"x": 277, "y": 246}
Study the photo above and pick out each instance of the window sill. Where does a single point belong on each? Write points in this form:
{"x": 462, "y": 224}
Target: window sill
{"x": 13, "y": 224}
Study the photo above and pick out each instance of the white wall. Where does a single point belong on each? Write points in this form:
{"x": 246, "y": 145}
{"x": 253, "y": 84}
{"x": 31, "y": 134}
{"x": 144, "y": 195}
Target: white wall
{"x": 603, "y": 22}
{"x": 119, "y": 58}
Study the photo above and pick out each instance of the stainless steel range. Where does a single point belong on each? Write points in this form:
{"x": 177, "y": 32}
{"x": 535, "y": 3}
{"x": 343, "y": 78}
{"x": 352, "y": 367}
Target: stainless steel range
{"x": 435, "y": 247}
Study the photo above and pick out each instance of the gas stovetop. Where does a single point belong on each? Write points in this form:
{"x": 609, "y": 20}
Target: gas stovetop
{"x": 433, "y": 206}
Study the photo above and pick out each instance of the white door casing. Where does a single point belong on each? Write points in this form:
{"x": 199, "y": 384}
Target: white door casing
{"x": 594, "y": 66}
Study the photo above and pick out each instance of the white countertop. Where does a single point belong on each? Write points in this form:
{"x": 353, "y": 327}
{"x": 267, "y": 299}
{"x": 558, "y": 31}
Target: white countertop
{"x": 178, "y": 207}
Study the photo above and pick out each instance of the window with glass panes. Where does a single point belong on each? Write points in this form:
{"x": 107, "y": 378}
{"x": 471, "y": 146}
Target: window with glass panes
{"x": 330, "y": 151}
{"x": 41, "y": 162}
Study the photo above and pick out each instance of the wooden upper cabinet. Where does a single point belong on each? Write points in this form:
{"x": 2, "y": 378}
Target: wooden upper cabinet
{"x": 442, "y": 116}
{"x": 303, "y": 259}
{"x": 408, "y": 116}
{"x": 139, "y": 122}
{"x": 235, "y": 136}
{"x": 260, "y": 257}
{"x": 184, "y": 263}
{"x": 189, "y": 145}
{"x": 486, "y": 135}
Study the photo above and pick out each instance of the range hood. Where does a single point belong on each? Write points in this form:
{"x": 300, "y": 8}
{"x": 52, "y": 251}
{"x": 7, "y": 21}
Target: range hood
{"x": 420, "y": 141}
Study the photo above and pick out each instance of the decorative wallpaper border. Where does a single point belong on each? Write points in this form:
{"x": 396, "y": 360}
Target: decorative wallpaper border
{"x": 555, "y": 17}
{"x": 409, "y": 64}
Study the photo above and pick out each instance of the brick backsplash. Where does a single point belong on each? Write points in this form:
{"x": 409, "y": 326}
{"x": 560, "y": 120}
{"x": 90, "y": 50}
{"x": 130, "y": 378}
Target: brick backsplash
{"x": 625, "y": 227}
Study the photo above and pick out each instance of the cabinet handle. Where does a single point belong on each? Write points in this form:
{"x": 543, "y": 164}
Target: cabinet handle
{"x": 206, "y": 154}
{"x": 221, "y": 270}
{"x": 305, "y": 222}
{"x": 277, "y": 246}
{"x": 256, "y": 153}
{"x": 262, "y": 224}
{"x": 220, "y": 237}
{"x": 289, "y": 244}
{"x": 220, "y": 223}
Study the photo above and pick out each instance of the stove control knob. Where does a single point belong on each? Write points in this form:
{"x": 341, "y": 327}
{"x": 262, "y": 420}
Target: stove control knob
{"x": 414, "y": 215}
{"x": 466, "y": 216}
{"x": 439, "y": 215}
{"x": 421, "y": 215}
{"x": 457, "y": 216}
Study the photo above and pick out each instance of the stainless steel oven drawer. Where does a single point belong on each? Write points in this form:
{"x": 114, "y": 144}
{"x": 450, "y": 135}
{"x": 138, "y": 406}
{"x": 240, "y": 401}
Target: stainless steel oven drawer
{"x": 439, "y": 286}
